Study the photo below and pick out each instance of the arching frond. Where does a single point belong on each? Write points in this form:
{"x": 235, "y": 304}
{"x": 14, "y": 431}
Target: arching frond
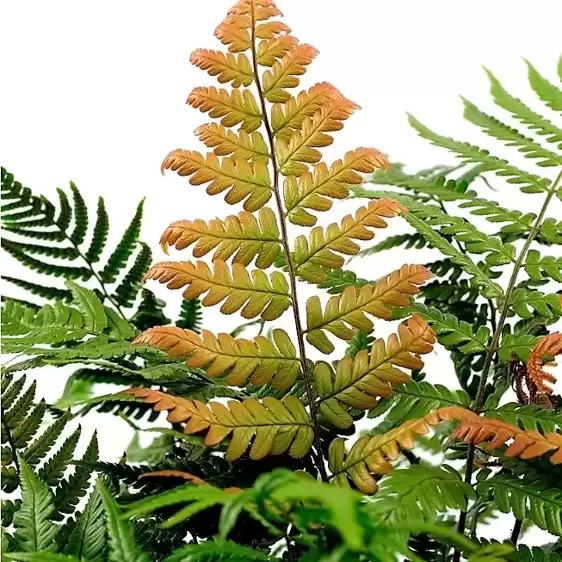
{"x": 244, "y": 181}
{"x": 346, "y": 313}
{"x": 274, "y": 426}
{"x": 359, "y": 381}
{"x": 256, "y": 294}
{"x": 323, "y": 246}
{"x": 262, "y": 359}
{"x": 242, "y": 237}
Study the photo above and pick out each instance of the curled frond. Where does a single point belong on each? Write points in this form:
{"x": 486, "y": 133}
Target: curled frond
{"x": 244, "y": 181}
{"x": 262, "y": 359}
{"x": 275, "y": 426}
{"x": 346, "y": 313}
{"x": 548, "y": 347}
{"x": 322, "y": 248}
{"x": 256, "y": 294}
{"x": 359, "y": 381}
{"x": 301, "y": 148}
{"x": 242, "y": 237}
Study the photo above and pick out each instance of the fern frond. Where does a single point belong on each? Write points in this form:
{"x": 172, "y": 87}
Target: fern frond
{"x": 257, "y": 294}
{"x": 524, "y": 114}
{"x": 239, "y": 145}
{"x": 513, "y": 346}
{"x": 52, "y": 471}
{"x": 244, "y": 181}
{"x": 359, "y": 381}
{"x": 526, "y": 416}
{"x": 120, "y": 534}
{"x": 535, "y": 554}
{"x": 34, "y": 530}
{"x": 539, "y": 267}
{"x": 99, "y": 235}
{"x": 346, "y": 313}
{"x": 51, "y": 293}
{"x": 237, "y": 106}
{"x": 510, "y": 136}
{"x": 289, "y": 116}
{"x": 301, "y": 148}
{"x": 242, "y": 237}
{"x": 398, "y": 240}
{"x": 550, "y": 94}
{"x": 88, "y": 537}
{"x": 126, "y": 292}
{"x": 262, "y": 359}
{"x": 225, "y": 550}
{"x": 275, "y": 426}
{"x": 226, "y": 67}
{"x": 190, "y": 317}
{"x": 528, "y": 499}
{"x": 451, "y": 332}
{"x": 548, "y": 347}
{"x": 314, "y": 190}
{"x": 527, "y": 304}
{"x": 322, "y": 248}
{"x": 469, "y": 154}
{"x": 270, "y": 51}
{"x": 95, "y": 320}
{"x": 284, "y": 72}
{"x": 420, "y": 492}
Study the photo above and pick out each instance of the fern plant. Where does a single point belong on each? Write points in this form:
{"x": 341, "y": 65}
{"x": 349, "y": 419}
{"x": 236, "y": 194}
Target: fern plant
{"x": 261, "y": 459}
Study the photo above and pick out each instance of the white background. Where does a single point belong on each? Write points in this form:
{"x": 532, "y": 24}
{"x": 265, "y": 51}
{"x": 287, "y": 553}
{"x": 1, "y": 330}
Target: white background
{"x": 95, "y": 93}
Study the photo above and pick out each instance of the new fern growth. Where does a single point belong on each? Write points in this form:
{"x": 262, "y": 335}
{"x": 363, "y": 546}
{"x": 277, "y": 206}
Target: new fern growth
{"x": 265, "y": 156}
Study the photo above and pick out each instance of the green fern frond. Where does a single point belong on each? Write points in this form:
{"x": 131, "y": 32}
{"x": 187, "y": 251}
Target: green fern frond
{"x": 524, "y": 114}
{"x": 536, "y": 554}
{"x": 510, "y": 136}
{"x": 42, "y": 444}
{"x": 516, "y": 346}
{"x": 399, "y": 240}
{"x": 118, "y": 259}
{"x": 150, "y": 312}
{"x": 337, "y": 280}
{"x": 527, "y": 498}
{"x": 217, "y": 551}
{"x": 420, "y": 492}
{"x": 35, "y": 531}
{"x": 526, "y": 416}
{"x": 527, "y": 304}
{"x": 550, "y": 94}
{"x": 128, "y": 289}
{"x": 539, "y": 267}
{"x": 469, "y": 154}
{"x": 95, "y": 320}
{"x": 99, "y": 235}
{"x": 80, "y": 216}
{"x": 191, "y": 315}
{"x": 52, "y": 471}
{"x": 121, "y": 538}
{"x": 51, "y": 293}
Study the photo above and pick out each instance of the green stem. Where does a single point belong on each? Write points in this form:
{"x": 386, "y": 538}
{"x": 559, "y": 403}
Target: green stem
{"x": 479, "y": 401}
{"x": 290, "y": 266}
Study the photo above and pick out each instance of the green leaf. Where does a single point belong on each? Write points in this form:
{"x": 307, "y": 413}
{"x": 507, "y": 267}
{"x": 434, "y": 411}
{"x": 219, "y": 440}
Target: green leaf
{"x": 420, "y": 492}
{"x": 40, "y": 557}
{"x": 119, "y": 328}
{"x": 34, "y": 530}
{"x": 65, "y": 211}
{"x": 80, "y": 216}
{"x": 91, "y": 307}
{"x": 122, "y": 544}
{"x": 52, "y": 471}
{"x": 99, "y": 236}
{"x": 469, "y": 154}
{"x": 536, "y": 554}
{"x": 516, "y": 346}
{"x": 191, "y": 315}
{"x": 51, "y": 293}
{"x": 547, "y": 92}
{"x": 538, "y": 266}
{"x": 528, "y": 499}
{"x": 127, "y": 291}
{"x": 118, "y": 259}
{"x": 217, "y": 551}
{"x": 524, "y": 114}
{"x": 527, "y": 304}
{"x": 511, "y": 137}
{"x": 42, "y": 444}
{"x": 398, "y": 240}
{"x": 526, "y": 416}
{"x": 87, "y": 540}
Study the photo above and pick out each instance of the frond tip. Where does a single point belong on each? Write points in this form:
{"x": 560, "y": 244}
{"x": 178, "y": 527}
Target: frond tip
{"x": 548, "y": 347}
{"x": 274, "y": 426}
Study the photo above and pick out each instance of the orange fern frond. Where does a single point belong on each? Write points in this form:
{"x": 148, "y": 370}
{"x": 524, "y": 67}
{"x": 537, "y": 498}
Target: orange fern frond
{"x": 226, "y": 67}
{"x": 242, "y": 237}
{"x": 323, "y": 246}
{"x": 371, "y": 456}
{"x": 238, "y": 145}
{"x": 274, "y": 426}
{"x": 549, "y": 347}
{"x": 262, "y": 359}
{"x": 235, "y": 107}
{"x": 359, "y": 381}
{"x": 288, "y": 117}
{"x": 301, "y": 148}
{"x": 270, "y": 51}
{"x": 244, "y": 181}
{"x": 284, "y": 72}
{"x": 313, "y": 190}
{"x": 257, "y": 294}
{"x": 346, "y": 313}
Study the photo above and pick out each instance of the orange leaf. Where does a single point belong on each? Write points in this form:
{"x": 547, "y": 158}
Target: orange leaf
{"x": 549, "y": 346}
{"x": 226, "y": 67}
{"x": 271, "y": 50}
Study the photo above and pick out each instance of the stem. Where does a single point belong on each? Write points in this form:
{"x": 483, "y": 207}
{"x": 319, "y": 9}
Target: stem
{"x": 478, "y": 403}
{"x": 10, "y": 441}
{"x": 516, "y": 531}
{"x": 291, "y": 270}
